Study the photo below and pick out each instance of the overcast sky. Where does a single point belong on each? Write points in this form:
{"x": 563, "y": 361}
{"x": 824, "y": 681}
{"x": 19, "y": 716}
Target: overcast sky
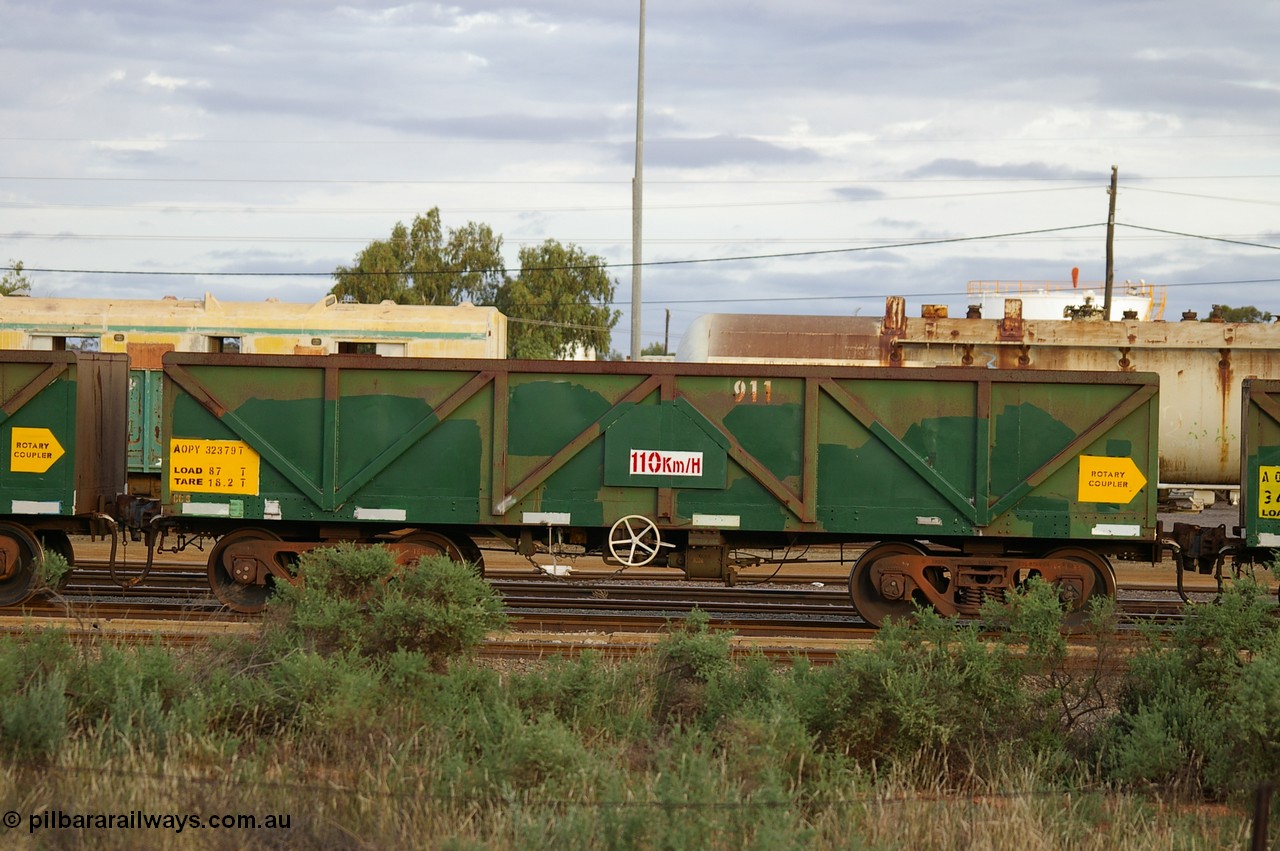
{"x": 221, "y": 139}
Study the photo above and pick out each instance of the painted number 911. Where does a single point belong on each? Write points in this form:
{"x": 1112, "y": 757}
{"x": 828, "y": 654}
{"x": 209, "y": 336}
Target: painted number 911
{"x": 741, "y": 389}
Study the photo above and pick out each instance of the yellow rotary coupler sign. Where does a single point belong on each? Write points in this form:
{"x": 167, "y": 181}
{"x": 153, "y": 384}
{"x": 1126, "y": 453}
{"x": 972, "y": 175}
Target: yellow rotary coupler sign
{"x": 1106, "y": 479}
{"x": 213, "y": 466}
{"x": 33, "y": 450}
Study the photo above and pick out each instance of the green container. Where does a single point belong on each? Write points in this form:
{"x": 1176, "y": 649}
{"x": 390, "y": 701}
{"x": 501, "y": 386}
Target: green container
{"x": 145, "y": 455}
{"x": 772, "y": 451}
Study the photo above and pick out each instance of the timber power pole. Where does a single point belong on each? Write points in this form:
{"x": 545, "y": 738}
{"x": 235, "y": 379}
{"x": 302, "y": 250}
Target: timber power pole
{"x": 637, "y": 202}
{"x": 1111, "y": 247}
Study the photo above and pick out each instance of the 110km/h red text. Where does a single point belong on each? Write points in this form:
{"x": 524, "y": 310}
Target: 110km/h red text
{"x": 657, "y": 462}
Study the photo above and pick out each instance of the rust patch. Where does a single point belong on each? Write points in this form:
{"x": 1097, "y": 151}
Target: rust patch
{"x": 892, "y": 331}
{"x": 1224, "y": 393}
{"x": 1010, "y": 327}
{"x": 147, "y": 355}
{"x": 784, "y": 338}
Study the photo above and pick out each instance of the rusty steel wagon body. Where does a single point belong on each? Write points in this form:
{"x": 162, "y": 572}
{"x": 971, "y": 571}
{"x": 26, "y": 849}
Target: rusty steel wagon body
{"x": 961, "y": 482}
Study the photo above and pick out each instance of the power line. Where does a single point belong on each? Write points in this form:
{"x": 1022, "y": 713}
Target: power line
{"x": 653, "y": 263}
{"x": 830, "y": 251}
{"x": 852, "y": 181}
{"x": 192, "y": 140}
{"x": 237, "y": 210}
{"x": 917, "y": 295}
{"x": 1128, "y": 188}
{"x": 737, "y": 258}
{"x": 1201, "y": 236}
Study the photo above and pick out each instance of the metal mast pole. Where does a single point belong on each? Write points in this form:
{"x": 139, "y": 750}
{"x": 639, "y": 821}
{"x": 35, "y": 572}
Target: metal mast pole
{"x": 637, "y": 202}
{"x": 1111, "y": 240}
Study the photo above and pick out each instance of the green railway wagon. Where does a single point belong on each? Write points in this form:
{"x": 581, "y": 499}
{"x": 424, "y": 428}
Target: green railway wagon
{"x": 962, "y": 481}
{"x": 1260, "y": 464}
{"x": 62, "y": 422}
{"x": 1256, "y": 540}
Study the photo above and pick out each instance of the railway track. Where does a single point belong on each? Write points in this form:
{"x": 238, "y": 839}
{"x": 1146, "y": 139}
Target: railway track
{"x": 537, "y": 604}
{"x": 802, "y": 608}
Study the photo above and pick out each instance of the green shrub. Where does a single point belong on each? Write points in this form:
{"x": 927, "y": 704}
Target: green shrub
{"x": 530, "y": 753}
{"x": 585, "y": 692}
{"x": 53, "y": 571}
{"x": 33, "y": 721}
{"x": 935, "y": 687}
{"x": 31, "y": 656}
{"x": 33, "y": 678}
{"x": 355, "y": 599}
{"x": 134, "y": 697}
{"x": 1201, "y": 711}
{"x": 686, "y": 659}
{"x": 1071, "y": 697}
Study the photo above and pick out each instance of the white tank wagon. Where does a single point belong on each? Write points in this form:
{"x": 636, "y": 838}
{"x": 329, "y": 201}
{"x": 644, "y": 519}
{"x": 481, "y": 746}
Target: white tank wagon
{"x": 1200, "y": 364}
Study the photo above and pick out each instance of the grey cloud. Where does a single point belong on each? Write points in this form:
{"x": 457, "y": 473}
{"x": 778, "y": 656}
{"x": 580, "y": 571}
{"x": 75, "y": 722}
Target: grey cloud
{"x": 967, "y": 169}
{"x": 858, "y": 193}
{"x": 722, "y": 150}
{"x": 530, "y": 128}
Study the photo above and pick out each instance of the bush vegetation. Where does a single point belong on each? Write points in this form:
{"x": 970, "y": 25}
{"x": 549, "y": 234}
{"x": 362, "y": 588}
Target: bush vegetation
{"x": 361, "y": 712}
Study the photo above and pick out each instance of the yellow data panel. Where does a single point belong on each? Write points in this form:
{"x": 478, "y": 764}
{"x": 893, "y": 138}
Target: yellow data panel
{"x": 1268, "y": 492}
{"x": 213, "y": 466}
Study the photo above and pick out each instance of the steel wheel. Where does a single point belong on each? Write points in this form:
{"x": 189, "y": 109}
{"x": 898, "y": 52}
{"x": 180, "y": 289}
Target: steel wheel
{"x": 415, "y": 546}
{"x": 235, "y": 595}
{"x": 20, "y": 557}
{"x": 1103, "y": 585}
{"x": 867, "y": 596}
{"x": 471, "y": 554}
{"x": 634, "y": 540}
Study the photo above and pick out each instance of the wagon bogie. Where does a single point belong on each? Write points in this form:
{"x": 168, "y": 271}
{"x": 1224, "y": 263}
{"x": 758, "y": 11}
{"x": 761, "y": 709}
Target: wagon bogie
{"x": 892, "y": 579}
{"x": 244, "y": 567}
{"x": 247, "y": 563}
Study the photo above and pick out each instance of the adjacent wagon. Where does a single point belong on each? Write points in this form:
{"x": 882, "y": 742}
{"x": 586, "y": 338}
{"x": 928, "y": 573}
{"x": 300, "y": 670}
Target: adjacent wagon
{"x": 63, "y": 427}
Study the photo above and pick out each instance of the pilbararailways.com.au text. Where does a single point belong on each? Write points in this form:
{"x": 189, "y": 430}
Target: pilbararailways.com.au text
{"x": 139, "y": 820}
